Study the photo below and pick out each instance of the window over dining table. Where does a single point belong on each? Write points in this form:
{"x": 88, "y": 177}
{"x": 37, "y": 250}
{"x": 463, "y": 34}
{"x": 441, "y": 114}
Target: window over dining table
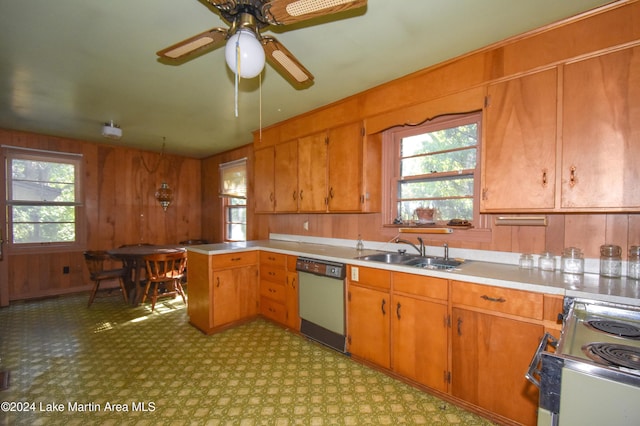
{"x": 43, "y": 197}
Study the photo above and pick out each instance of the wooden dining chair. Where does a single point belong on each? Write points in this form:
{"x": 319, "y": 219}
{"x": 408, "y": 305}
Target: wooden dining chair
{"x": 95, "y": 263}
{"x": 164, "y": 275}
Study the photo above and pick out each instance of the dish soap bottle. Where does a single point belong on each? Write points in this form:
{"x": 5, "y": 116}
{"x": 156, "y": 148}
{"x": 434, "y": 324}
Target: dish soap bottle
{"x": 359, "y": 244}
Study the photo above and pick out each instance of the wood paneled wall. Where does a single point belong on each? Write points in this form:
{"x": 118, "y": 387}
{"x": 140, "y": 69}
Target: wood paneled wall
{"x": 119, "y": 208}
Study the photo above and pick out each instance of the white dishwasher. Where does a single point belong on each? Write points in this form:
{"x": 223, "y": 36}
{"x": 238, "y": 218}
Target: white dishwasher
{"x": 321, "y": 301}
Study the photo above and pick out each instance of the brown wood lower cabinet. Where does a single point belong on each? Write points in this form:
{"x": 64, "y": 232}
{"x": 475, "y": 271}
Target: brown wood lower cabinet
{"x": 222, "y": 289}
{"x": 368, "y": 316}
{"x": 279, "y": 289}
{"x": 491, "y": 351}
{"x": 419, "y": 329}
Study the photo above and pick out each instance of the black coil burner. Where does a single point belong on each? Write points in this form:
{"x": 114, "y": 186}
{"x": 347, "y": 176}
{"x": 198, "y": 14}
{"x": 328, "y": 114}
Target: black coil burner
{"x": 614, "y": 354}
{"x": 617, "y": 328}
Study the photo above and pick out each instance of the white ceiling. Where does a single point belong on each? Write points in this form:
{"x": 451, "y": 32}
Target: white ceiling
{"x": 68, "y": 66}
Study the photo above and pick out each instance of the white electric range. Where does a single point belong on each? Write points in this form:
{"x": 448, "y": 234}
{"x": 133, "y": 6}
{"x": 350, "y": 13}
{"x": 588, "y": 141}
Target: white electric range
{"x": 593, "y": 376}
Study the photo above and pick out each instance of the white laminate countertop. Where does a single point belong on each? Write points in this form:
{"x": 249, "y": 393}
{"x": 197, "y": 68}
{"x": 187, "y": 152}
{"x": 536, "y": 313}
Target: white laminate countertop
{"x": 587, "y": 286}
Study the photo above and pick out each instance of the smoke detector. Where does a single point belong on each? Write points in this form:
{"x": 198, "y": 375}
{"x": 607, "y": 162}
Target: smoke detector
{"x": 111, "y": 131}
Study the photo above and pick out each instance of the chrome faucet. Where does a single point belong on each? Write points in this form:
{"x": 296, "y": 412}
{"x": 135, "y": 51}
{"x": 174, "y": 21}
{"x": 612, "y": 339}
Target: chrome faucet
{"x": 421, "y": 249}
{"x": 446, "y": 251}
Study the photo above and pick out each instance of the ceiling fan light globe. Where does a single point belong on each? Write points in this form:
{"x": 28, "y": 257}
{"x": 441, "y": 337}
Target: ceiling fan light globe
{"x": 250, "y": 56}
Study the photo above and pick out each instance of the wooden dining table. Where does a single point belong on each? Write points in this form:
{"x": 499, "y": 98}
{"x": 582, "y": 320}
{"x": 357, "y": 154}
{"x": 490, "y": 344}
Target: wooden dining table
{"x": 132, "y": 257}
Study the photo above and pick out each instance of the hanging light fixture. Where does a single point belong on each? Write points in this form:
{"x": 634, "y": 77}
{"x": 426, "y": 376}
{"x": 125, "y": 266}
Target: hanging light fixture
{"x": 244, "y": 53}
{"x": 164, "y": 195}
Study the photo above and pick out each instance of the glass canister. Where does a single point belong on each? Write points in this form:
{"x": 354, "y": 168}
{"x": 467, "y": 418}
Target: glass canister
{"x": 610, "y": 261}
{"x": 547, "y": 261}
{"x": 526, "y": 261}
{"x": 633, "y": 264}
{"x": 572, "y": 261}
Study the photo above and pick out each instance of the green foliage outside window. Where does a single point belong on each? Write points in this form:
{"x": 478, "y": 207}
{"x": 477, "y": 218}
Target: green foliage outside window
{"x": 42, "y": 201}
{"x": 437, "y": 171}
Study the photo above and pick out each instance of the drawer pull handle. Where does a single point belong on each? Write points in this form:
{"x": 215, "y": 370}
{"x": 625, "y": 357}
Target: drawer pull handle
{"x": 493, "y": 299}
{"x": 235, "y": 259}
{"x": 398, "y": 310}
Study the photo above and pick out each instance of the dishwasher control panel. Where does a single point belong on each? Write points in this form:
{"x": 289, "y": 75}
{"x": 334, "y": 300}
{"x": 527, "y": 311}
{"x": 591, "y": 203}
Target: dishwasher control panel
{"x": 321, "y": 267}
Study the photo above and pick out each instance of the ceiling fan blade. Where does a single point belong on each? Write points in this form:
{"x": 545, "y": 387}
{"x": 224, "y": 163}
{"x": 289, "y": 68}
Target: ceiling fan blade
{"x": 207, "y": 39}
{"x": 287, "y": 64}
{"x": 282, "y": 12}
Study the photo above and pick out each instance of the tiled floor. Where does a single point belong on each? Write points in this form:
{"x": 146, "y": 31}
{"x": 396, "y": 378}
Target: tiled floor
{"x": 113, "y": 364}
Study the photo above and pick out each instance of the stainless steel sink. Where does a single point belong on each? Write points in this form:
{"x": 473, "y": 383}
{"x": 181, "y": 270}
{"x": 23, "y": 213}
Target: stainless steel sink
{"x": 394, "y": 258}
{"x": 427, "y": 262}
{"x": 434, "y": 263}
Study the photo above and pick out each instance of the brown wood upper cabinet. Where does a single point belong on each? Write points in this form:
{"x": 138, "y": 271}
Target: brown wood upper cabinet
{"x": 519, "y": 147}
{"x": 586, "y": 164}
{"x": 337, "y": 170}
{"x": 601, "y": 132}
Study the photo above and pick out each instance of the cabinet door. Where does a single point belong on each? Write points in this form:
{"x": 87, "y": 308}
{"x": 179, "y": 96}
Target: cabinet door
{"x": 519, "y": 147}
{"x": 345, "y": 168}
{"x": 264, "y": 180}
{"x": 225, "y": 293}
{"x": 286, "y": 176}
{"x": 490, "y": 356}
{"x": 601, "y": 132}
{"x": 419, "y": 330}
{"x": 291, "y": 294}
{"x": 235, "y": 294}
{"x": 369, "y": 325}
{"x": 312, "y": 173}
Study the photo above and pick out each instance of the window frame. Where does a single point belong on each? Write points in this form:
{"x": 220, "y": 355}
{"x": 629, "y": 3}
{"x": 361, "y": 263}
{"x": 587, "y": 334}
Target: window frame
{"x": 29, "y": 154}
{"x": 227, "y": 194}
{"x": 391, "y": 160}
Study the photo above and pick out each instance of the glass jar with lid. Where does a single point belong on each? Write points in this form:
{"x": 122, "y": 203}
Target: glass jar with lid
{"x": 547, "y": 261}
{"x": 610, "y": 261}
{"x": 633, "y": 264}
{"x": 572, "y": 261}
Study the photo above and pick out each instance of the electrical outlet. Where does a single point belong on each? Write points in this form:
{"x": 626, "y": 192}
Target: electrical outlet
{"x": 354, "y": 273}
{"x": 305, "y": 225}
{"x": 65, "y": 269}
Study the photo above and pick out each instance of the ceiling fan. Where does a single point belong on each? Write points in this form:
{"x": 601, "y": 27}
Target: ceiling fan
{"x": 246, "y": 48}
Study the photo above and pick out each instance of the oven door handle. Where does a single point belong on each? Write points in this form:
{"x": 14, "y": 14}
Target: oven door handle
{"x": 535, "y": 362}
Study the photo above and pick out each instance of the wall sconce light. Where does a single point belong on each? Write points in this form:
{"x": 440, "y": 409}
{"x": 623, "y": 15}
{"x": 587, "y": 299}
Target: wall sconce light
{"x": 164, "y": 195}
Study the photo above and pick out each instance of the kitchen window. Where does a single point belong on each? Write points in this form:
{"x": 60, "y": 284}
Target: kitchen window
{"x": 233, "y": 191}
{"x": 43, "y": 198}
{"x": 434, "y": 166}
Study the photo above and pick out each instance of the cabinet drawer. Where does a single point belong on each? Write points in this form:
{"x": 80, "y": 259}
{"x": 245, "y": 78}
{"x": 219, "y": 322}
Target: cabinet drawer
{"x": 272, "y": 291}
{"x": 244, "y": 258}
{"x": 274, "y": 259}
{"x": 371, "y": 277}
{"x": 498, "y": 299}
{"x": 419, "y": 285}
{"x": 273, "y": 310}
{"x": 271, "y": 273}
